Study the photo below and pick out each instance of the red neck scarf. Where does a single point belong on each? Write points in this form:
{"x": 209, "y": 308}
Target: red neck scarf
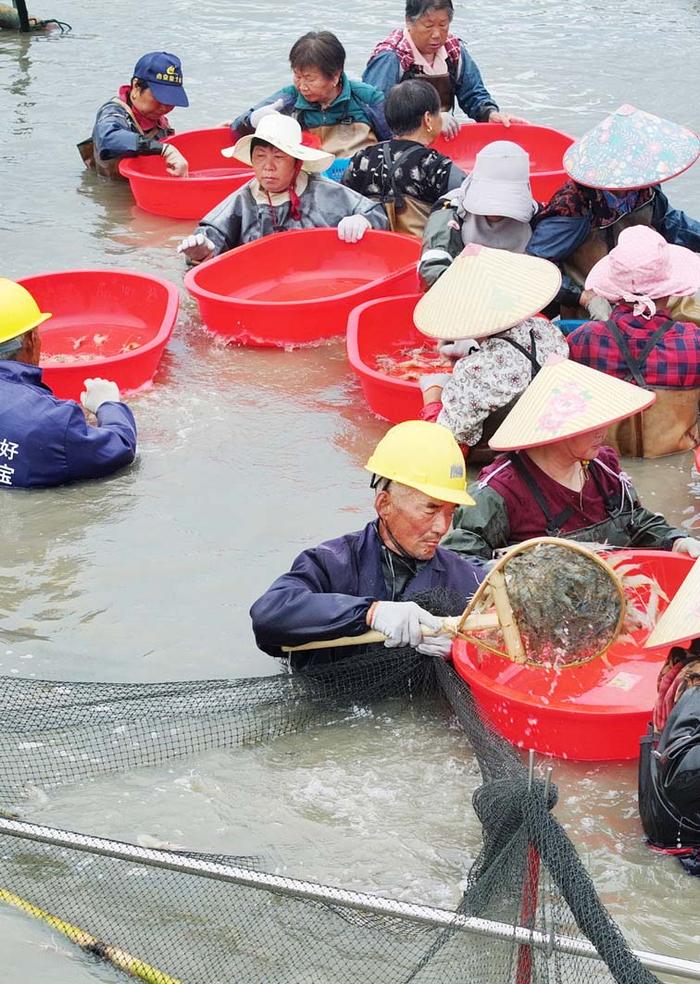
{"x": 145, "y": 122}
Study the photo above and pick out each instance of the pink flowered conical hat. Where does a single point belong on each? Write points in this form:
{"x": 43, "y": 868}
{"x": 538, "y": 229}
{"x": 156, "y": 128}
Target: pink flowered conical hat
{"x": 631, "y": 149}
{"x": 566, "y": 399}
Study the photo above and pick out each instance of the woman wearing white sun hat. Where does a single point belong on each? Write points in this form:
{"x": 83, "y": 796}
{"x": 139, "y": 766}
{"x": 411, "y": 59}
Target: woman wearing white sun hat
{"x": 286, "y": 193}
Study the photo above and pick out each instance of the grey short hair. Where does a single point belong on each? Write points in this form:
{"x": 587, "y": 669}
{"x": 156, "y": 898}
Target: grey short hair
{"x": 11, "y": 347}
{"x": 415, "y": 9}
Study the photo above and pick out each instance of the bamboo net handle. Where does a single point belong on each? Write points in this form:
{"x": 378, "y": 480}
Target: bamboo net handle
{"x": 477, "y": 622}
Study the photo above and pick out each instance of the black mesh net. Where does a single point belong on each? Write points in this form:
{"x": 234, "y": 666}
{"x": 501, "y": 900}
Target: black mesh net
{"x": 148, "y": 912}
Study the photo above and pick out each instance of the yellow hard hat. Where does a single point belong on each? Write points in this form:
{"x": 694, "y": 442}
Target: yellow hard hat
{"x": 423, "y": 456}
{"x": 19, "y": 312}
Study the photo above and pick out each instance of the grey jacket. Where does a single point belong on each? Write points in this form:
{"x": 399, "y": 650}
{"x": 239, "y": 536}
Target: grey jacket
{"x": 241, "y": 219}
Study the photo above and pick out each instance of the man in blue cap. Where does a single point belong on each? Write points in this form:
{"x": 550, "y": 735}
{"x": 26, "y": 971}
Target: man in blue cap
{"x": 135, "y": 122}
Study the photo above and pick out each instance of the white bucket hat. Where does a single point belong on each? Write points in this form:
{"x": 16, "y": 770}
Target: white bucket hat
{"x": 500, "y": 182}
{"x": 284, "y": 133}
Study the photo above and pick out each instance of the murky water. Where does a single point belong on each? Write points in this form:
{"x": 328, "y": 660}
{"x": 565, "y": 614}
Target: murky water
{"x": 248, "y": 456}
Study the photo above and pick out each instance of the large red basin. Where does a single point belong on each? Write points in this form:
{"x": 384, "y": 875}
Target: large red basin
{"x": 297, "y": 287}
{"x": 211, "y": 177}
{"x": 595, "y": 712}
{"x": 110, "y": 323}
{"x": 545, "y": 146}
{"x": 385, "y": 327}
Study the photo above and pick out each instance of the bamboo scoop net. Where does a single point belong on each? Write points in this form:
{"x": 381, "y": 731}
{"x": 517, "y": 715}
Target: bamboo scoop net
{"x": 547, "y": 602}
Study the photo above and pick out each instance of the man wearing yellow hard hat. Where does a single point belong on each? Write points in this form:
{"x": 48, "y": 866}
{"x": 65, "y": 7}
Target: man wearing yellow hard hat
{"x": 366, "y": 579}
{"x": 45, "y": 441}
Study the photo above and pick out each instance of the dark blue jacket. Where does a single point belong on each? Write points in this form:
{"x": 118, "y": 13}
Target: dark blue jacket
{"x": 45, "y": 441}
{"x": 330, "y": 587}
{"x": 115, "y": 134}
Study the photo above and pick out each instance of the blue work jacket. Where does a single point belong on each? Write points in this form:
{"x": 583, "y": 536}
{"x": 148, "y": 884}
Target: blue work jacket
{"x": 329, "y": 589}
{"x": 45, "y": 441}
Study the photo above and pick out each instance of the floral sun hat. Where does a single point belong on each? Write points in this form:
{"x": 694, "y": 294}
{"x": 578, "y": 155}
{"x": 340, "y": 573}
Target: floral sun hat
{"x": 644, "y": 267}
{"x": 631, "y": 149}
{"x": 681, "y": 620}
{"x": 485, "y": 291}
{"x": 566, "y": 399}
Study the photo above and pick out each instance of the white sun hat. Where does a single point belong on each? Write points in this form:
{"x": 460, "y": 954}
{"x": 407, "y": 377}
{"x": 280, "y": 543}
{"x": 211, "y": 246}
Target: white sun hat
{"x": 284, "y": 133}
{"x": 499, "y": 184}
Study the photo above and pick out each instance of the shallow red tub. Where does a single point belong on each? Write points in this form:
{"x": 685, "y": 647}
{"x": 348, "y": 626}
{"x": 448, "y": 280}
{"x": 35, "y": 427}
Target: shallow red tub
{"x": 595, "y": 712}
{"x": 110, "y": 323}
{"x": 545, "y": 146}
{"x": 211, "y": 177}
{"x": 385, "y": 327}
{"x": 297, "y": 287}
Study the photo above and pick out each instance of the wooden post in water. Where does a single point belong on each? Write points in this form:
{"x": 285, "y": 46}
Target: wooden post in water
{"x": 21, "y": 8}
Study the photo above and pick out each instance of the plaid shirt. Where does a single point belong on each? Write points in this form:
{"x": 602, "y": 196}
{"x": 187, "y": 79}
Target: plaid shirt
{"x": 673, "y": 362}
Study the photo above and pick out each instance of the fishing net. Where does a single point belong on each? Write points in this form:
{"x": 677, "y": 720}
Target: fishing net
{"x": 529, "y": 912}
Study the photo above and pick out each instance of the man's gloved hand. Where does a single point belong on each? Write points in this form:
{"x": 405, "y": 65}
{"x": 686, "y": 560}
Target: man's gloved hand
{"x": 687, "y": 545}
{"x": 352, "y": 228}
{"x": 174, "y": 161}
{"x": 459, "y": 348}
{"x": 98, "y": 391}
{"x": 599, "y": 309}
{"x": 259, "y": 114}
{"x": 401, "y": 621}
{"x": 439, "y": 645}
{"x": 450, "y": 126}
{"x": 431, "y": 379}
{"x": 197, "y": 247}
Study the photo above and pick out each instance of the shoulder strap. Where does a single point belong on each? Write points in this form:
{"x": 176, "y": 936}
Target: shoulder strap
{"x": 530, "y": 356}
{"x": 391, "y": 192}
{"x": 127, "y": 107}
{"x": 554, "y": 523}
{"x": 635, "y": 366}
{"x": 613, "y": 502}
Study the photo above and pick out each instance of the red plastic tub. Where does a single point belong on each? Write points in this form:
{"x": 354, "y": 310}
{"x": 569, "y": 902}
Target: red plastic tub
{"x": 110, "y": 323}
{"x": 297, "y": 287}
{"x": 385, "y": 327}
{"x": 211, "y": 177}
{"x": 595, "y": 712}
{"x": 545, "y": 146}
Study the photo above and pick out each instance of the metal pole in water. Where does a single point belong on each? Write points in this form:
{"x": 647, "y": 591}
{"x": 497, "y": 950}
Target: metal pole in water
{"x": 21, "y": 8}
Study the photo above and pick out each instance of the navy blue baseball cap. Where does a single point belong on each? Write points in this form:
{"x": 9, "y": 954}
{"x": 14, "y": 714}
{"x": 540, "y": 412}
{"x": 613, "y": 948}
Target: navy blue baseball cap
{"x": 163, "y": 72}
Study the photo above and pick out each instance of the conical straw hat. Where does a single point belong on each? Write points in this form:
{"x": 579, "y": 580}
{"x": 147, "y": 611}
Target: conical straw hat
{"x": 566, "y": 399}
{"x": 681, "y": 620}
{"x": 485, "y": 291}
{"x": 631, "y": 149}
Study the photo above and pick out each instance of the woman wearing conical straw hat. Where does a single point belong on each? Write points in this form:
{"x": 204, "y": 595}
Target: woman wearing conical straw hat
{"x": 556, "y": 477}
{"x": 669, "y": 763}
{"x": 643, "y": 342}
{"x": 488, "y": 298}
{"x": 616, "y": 170}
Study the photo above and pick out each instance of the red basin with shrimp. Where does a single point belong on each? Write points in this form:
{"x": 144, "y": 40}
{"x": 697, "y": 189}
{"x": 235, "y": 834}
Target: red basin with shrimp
{"x": 545, "y": 146}
{"x": 294, "y": 288}
{"x": 595, "y": 712}
{"x": 211, "y": 177}
{"x": 388, "y": 353}
{"x": 111, "y": 323}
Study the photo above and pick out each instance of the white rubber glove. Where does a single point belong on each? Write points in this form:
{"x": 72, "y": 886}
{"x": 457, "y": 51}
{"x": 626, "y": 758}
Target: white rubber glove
{"x": 433, "y": 379}
{"x": 598, "y": 308}
{"x": 197, "y": 247}
{"x": 352, "y": 228}
{"x": 174, "y": 161}
{"x": 401, "y": 621}
{"x": 439, "y": 645}
{"x": 98, "y": 391}
{"x": 687, "y": 545}
{"x": 459, "y": 348}
{"x": 258, "y": 114}
{"x": 450, "y": 126}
